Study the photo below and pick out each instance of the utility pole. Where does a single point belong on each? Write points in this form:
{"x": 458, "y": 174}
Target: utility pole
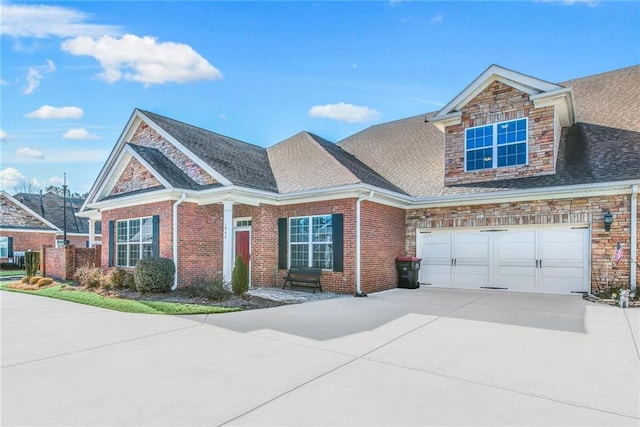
{"x": 64, "y": 212}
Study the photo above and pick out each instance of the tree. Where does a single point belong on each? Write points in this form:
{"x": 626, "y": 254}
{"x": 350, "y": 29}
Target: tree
{"x": 26, "y": 185}
{"x": 60, "y": 192}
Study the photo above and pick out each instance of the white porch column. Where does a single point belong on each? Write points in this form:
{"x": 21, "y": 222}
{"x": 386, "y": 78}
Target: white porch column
{"x": 92, "y": 232}
{"x": 227, "y": 246}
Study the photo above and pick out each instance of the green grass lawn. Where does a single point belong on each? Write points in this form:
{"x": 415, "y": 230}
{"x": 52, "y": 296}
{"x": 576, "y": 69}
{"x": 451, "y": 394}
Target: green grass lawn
{"x": 5, "y": 273}
{"x": 119, "y": 304}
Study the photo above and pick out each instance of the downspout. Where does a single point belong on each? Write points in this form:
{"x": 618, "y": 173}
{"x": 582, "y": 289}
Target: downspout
{"x": 175, "y": 238}
{"x": 634, "y": 237}
{"x": 359, "y": 292}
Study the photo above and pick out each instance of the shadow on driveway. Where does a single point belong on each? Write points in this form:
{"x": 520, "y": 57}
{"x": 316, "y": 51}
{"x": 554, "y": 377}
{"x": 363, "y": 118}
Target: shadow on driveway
{"x": 339, "y": 317}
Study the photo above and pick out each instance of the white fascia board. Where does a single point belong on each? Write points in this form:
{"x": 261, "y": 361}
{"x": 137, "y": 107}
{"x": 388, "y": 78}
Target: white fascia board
{"x": 137, "y": 199}
{"x": 197, "y": 160}
{"x": 29, "y": 211}
{"x": 443, "y": 121}
{"x": 255, "y": 197}
{"x": 98, "y": 184}
{"x": 562, "y": 101}
{"x": 27, "y": 230}
{"x": 90, "y": 214}
{"x": 523, "y": 82}
{"x": 563, "y": 192}
{"x": 114, "y": 172}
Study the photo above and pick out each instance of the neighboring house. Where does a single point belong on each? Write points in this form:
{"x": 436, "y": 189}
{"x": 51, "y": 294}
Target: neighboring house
{"x": 29, "y": 221}
{"x": 508, "y": 186}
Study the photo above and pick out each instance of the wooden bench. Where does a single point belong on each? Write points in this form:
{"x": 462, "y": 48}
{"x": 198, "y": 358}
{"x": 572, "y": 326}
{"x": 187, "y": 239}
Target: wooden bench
{"x": 307, "y": 276}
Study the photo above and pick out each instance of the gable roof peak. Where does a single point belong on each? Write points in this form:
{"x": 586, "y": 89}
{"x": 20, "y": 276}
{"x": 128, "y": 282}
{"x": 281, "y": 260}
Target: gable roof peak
{"x": 541, "y": 92}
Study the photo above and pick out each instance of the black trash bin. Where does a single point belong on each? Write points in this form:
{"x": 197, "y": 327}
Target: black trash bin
{"x": 408, "y": 268}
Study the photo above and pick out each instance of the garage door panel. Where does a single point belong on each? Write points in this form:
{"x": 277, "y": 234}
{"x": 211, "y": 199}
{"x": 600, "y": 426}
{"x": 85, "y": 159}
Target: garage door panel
{"x": 563, "y": 245}
{"x": 518, "y": 278}
{"x": 547, "y": 259}
{"x": 563, "y": 280}
{"x": 435, "y": 275}
{"x": 435, "y": 247}
{"x": 516, "y": 247}
{"x": 471, "y": 246}
{"x": 471, "y": 277}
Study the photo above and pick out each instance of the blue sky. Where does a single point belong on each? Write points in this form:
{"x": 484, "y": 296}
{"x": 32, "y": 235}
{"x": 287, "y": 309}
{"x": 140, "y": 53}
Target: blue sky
{"x": 73, "y": 72}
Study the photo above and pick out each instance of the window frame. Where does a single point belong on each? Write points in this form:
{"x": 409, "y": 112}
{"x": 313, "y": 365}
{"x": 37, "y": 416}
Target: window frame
{"x": 310, "y": 243}
{"x": 128, "y": 244}
{"x": 496, "y": 145}
{"x": 4, "y": 247}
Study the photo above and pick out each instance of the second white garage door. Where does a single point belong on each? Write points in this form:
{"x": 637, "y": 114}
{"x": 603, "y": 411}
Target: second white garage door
{"x": 544, "y": 259}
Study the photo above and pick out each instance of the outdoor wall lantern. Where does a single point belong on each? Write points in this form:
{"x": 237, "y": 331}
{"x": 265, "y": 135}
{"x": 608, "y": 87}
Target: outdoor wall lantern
{"x": 607, "y": 218}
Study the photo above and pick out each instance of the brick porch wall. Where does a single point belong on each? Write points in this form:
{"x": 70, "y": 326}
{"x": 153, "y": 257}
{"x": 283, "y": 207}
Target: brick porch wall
{"x": 541, "y": 212}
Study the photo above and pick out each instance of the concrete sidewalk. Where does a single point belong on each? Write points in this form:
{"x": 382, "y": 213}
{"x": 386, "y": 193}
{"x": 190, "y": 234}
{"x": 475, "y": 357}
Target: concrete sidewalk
{"x": 400, "y": 357}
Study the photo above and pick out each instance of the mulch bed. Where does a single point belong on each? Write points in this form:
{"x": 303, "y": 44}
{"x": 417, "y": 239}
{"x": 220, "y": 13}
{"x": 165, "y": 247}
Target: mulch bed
{"x": 247, "y": 302}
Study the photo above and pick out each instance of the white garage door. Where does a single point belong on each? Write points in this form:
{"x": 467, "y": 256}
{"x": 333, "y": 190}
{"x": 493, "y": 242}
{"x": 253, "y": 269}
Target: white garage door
{"x": 544, "y": 260}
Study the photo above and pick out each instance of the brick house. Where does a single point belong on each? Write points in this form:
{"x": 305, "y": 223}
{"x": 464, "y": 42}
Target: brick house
{"x": 506, "y": 187}
{"x": 30, "y": 221}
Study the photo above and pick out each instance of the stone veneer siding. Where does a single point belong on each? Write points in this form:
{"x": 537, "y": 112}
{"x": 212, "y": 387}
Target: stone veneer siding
{"x": 542, "y": 212}
{"x": 134, "y": 177}
{"x": 497, "y": 103}
{"x": 147, "y": 137}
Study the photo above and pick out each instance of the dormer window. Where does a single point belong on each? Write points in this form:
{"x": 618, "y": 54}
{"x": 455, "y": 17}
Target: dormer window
{"x": 496, "y": 145}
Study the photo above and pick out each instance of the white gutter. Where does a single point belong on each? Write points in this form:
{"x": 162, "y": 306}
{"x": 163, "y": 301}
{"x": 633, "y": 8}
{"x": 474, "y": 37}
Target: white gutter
{"x": 634, "y": 237}
{"x": 175, "y": 239}
{"x": 359, "y": 292}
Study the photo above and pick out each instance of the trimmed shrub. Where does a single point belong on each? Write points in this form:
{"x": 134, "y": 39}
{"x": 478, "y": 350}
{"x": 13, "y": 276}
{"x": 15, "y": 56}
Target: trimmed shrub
{"x": 9, "y": 266}
{"x": 116, "y": 276}
{"x": 34, "y": 280}
{"x": 240, "y": 277}
{"x": 45, "y": 281}
{"x": 129, "y": 282}
{"x": 89, "y": 277}
{"x": 32, "y": 263}
{"x": 154, "y": 275}
{"x": 25, "y": 279}
{"x": 211, "y": 288}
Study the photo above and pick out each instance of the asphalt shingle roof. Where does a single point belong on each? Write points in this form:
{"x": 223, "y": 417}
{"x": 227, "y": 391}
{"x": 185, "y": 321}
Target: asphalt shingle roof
{"x": 51, "y": 207}
{"x": 603, "y": 146}
{"x": 169, "y": 171}
{"x": 241, "y": 163}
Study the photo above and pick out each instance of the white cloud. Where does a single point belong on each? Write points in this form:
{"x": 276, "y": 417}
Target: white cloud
{"x": 437, "y": 18}
{"x": 42, "y": 21}
{"x": 79, "y": 133}
{"x": 49, "y": 112}
{"x": 143, "y": 59}
{"x": 34, "y": 76}
{"x": 3, "y": 135}
{"x": 344, "y": 112}
{"x": 10, "y": 177}
{"x": 30, "y": 152}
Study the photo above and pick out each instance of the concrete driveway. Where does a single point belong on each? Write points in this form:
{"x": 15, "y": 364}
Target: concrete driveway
{"x": 400, "y": 357}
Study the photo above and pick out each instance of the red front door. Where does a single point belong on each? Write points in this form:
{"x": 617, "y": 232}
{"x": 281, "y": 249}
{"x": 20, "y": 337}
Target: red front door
{"x": 242, "y": 245}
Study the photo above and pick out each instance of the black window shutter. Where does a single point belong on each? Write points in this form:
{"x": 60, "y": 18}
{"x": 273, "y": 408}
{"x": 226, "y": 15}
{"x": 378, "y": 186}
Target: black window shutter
{"x": 10, "y": 247}
{"x": 112, "y": 241}
{"x": 337, "y": 226}
{"x": 156, "y": 236}
{"x": 282, "y": 244}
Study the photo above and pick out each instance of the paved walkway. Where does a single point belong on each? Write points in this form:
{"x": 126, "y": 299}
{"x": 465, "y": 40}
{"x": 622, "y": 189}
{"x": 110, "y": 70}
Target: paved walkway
{"x": 400, "y": 357}
{"x": 291, "y": 296}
